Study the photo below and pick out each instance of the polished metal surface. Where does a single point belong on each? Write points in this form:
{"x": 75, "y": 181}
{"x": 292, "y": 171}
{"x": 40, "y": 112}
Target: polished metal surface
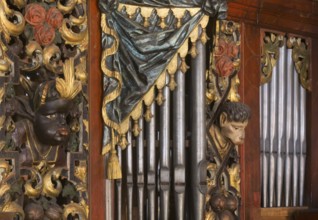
{"x": 302, "y": 145}
{"x": 140, "y": 169}
{"x": 164, "y": 145}
{"x": 118, "y": 185}
{"x": 281, "y": 130}
{"x": 289, "y": 124}
{"x": 179, "y": 144}
{"x": 151, "y": 164}
{"x": 296, "y": 143}
{"x": 273, "y": 136}
{"x": 198, "y": 131}
{"x": 129, "y": 159}
{"x": 264, "y": 122}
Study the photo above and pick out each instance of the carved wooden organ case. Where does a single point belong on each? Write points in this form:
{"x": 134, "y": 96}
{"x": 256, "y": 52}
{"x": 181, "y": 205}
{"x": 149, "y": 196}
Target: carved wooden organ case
{"x": 44, "y": 110}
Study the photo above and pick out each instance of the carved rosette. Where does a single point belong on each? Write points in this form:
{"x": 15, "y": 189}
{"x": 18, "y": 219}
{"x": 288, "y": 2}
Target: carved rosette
{"x": 43, "y": 52}
{"x": 223, "y": 170}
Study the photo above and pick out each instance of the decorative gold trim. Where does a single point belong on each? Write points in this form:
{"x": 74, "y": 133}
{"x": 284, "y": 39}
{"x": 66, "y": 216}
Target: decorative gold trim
{"x": 8, "y": 27}
{"x": 301, "y": 56}
{"x": 68, "y": 87}
{"x": 79, "y": 209}
{"x": 171, "y": 68}
{"x": 270, "y": 55}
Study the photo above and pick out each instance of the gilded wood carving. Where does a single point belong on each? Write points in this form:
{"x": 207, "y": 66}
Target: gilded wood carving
{"x": 43, "y": 108}
{"x": 226, "y": 127}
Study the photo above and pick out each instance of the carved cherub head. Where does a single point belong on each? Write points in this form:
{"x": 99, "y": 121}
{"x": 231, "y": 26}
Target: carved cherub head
{"x": 232, "y": 120}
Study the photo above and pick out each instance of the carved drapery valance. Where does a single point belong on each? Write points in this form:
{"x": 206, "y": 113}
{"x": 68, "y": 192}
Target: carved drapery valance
{"x": 142, "y": 42}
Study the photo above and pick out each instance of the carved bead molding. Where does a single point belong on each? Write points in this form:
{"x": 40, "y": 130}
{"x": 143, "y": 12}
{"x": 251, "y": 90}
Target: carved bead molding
{"x": 300, "y": 56}
{"x": 223, "y": 170}
{"x": 43, "y": 109}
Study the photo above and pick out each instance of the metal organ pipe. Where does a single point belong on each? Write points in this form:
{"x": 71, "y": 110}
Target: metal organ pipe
{"x": 198, "y": 132}
{"x": 179, "y": 144}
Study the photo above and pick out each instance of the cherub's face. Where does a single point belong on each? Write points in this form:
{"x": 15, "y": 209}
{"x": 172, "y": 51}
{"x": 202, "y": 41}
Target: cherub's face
{"x": 234, "y": 131}
{"x": 50, "y": 124}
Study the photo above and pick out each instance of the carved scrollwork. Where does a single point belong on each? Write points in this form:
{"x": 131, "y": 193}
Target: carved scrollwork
{"x": 43, "y": 104}
{"x": 12, "y": 22}
{"x": 76, "y": 209}
{"x": 270, "y": 54}
{"x": 300, "y": 56}
{"x": 7, "y": 203}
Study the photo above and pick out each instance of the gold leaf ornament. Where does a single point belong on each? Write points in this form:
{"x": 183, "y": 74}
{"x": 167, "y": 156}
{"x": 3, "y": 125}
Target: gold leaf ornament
{"x": 68, "y": 87}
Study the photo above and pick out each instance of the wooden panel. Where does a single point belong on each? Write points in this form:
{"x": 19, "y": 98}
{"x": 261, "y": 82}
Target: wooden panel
{"x": 289, "y": 16}
{"x": 311, "y": 182}
{"x": 250, "y": 152}
{"x": 96, "y": 162}
{"x": 281, "y": 213}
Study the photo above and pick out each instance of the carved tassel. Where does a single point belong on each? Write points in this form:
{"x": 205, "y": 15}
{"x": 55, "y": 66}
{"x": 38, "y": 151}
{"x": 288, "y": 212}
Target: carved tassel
{"x": 172, "y": 82}
{"x": 160, "y": 99}
{"x": 193, "y": 51}
{"x": 136, "y": 129}
{"x": 183, "y": 66}
{"x": 113, "y": 165}
{"x": 204, "y": 37}
{"x": 148, "y": 115}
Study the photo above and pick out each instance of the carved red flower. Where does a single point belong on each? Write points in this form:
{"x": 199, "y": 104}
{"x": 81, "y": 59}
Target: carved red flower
{"x": 44, "y": 34}
{"x": 226, "y": 49}
{"x": 54, "y": 17}
{"x": 35, "y": 14}
{"x": 224, "y": 66}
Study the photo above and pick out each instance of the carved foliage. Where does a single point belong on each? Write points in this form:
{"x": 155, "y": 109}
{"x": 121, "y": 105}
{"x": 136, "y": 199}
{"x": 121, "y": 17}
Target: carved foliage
{"x": 270, "y": 53}
{"x": 222, "y": 80}
{"x": 43, "y": 107}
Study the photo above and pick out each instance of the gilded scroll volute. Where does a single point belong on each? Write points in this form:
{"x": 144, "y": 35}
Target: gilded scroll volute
{"x": 12, "y": 22}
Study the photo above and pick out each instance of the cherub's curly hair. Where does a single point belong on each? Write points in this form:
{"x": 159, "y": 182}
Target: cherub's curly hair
{"x": 235, "y": 111}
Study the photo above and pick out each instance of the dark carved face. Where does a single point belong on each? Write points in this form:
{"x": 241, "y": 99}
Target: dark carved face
{"x": 50, "y": 122}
